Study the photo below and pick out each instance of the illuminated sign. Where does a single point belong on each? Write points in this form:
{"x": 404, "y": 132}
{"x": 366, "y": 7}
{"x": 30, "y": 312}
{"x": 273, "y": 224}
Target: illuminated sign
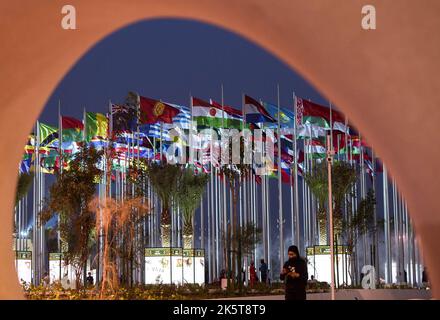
{"x": 319, "y": 264}
{"x": 58, "y": 270}
{"x": 23, "y": 266}
{"x": 174, "y": 265}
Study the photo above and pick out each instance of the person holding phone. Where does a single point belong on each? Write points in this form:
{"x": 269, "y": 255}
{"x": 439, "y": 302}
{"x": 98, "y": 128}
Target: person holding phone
{"x": 294, "y": 275}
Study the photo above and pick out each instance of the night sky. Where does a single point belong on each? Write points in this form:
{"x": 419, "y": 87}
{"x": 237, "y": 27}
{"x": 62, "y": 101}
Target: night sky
{"x": 169, "y": 60}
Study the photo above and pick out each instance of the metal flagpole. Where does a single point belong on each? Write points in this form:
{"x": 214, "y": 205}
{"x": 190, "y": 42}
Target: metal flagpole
{"x": 61, "y": 162}
{"x": 295, "y": 170}
{"x": 388, "y": 271}
{"x": 35, "y": 275}
{"x": 397, "y": 231}
{"x": 280, "y": 186}
{"x": 363, "y": 195}
{"x": 268, "y": 233}
{"x": 330, "y": 207}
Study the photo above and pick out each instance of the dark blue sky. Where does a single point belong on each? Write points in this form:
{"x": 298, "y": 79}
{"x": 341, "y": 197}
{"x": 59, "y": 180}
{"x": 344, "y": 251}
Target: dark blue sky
{"x": 169, "y": 59}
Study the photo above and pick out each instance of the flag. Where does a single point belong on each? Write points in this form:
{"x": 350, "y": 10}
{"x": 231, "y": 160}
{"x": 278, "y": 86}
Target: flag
{"x": 352, "y": 146}
{"x": 287, "y": 117}
{"x": 47, "y": 133}
{"x": 182, "y": 119}
{"x": 25, "y": 164}
{"x": 309, "y": 130}
{"x": 235, "y": 116}
{"x": 316, "y": 148}
{"x": 72, "y": 129}
{"x": 255, "y": 112}
{"x": 208, "y": 115}
{"x": 153, "y": 111}
{"x": 153, "y": 131}
{"x": 312, "y": 113}
{"x": 124, "y": 118}
{"x": 29, "y": 148}
{"x": 96, "y": 125}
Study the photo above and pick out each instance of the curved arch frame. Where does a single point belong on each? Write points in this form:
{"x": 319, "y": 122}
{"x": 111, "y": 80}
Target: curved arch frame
{"x": 386, "y": 79}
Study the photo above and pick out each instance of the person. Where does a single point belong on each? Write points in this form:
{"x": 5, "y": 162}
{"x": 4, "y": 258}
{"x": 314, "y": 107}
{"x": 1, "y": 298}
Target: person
{"x": 263, "y": 271}
{"x": 89, "y": 280}
{"x": 46, "y": 279}
{"x": 425, "y": 279}
{"x": 294, "y": 275}
{"x": 253, "y": 274}
{"x": 312, "y": 282}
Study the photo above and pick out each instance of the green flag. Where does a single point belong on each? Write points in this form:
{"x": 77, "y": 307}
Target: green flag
{"x": 47, "y": 133}
{"x": 96, "y": 125}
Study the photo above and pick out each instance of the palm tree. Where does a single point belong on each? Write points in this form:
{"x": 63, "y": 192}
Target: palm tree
{"x": 317, "y": 180}
{"x": 23, "y": 184}
{"x": 234, "y": 174}
{"x": 164, "y": 178}
{"x": 343, "y": 179}
{"x": 188, "y": 196}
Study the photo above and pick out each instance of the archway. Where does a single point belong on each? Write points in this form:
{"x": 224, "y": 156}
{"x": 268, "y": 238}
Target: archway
{"x": 384, "y": 79}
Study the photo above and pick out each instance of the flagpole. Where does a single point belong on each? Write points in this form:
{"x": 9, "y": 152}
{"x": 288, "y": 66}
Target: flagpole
{"x": 36, "y": 275}
{"x": 330, "y": 207}
{"x": 295, "y": 159}
{"x": 388, "y": 271}
{"x": 375, "y": 237}
{"x": 280, "y": 190}
{"x": 224, "y": 195}
{"x": 61, "y": 162}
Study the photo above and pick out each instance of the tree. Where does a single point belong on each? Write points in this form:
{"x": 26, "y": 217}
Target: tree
{"x": 190, "y": 190}
{"x": 247, "y": 238}
{"x": 343, "y": 179}
{"x": 234, "y": 174}
{"x": 119, "y": 222}
{"x": 362, "y": 222}
{"x": 23, "y": 185}
{"x": 164, "y": 178}
{"x": 69, "y": 198}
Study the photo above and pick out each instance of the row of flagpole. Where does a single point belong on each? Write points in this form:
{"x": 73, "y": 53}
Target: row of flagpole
{"x": 217, "y": 219}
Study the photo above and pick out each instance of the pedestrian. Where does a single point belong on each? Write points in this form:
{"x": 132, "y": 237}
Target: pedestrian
{"x": 294, "y": 275}
{"x": 263, "y": 271}
{"x": 425, "y": 279}
{"x": 89, "y": 280}
{"x": 252, "y": 274}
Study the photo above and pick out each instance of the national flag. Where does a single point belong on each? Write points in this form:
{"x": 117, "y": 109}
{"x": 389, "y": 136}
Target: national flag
{"x": 96, "y": 125}
{"x": 309, "y": 130}
{"x": 313, "y": 113}
{"x": 25, "y": 164}
{"x": 230, "y": 110}
{"x": 235, "y": 115}
{"x": 124, "y": 118}
{"x": 72, "y": 129}
{"x": 153, "y": 111}
{"x": 208, "y": 115}
{"x": 182, "y": 119}
{"x": 315, "y": 147}
{"x": 254, "y": 112}
{"x": 353, "y": 146}
{"x": 47, "y": 133}
{"x": 287, "y": 117}
{"x": 29, "y": 148}
{"x": 153, "y": 131}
